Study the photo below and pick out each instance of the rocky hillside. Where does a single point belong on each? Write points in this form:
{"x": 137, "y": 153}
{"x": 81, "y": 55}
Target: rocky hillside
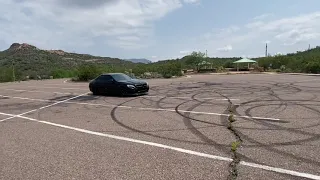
{"x": 29, "y": 59}
{"x": 144, "y": 61}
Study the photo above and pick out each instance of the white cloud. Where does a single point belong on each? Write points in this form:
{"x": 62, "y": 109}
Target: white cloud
{"x": 191, "y": 1}
{"x": 266, "y": 42}
{"x": 263, "y": 16}
{"x": 225, "y": 48}
{"x": 221, "y": 33}
{"x": 297, "y": 31}
{"x": 185, "y": 52}
{"x": 128, "y": 38}
{"x": 47, "y": 23}
{"x": 294, "y": 36}
{"x": 302, "y": 21}
{"x": 127, "y": 45}
{"x": 254, "y": 24}
{"x": 293, "y": 30}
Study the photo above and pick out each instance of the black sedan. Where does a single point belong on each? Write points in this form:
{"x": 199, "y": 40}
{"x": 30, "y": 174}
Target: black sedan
{"x": 118, "y": 84}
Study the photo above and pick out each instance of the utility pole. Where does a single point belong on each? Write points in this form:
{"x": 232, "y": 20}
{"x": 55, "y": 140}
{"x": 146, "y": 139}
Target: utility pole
{"x": 266, "y": 49}
{"x": 206, "y": 53}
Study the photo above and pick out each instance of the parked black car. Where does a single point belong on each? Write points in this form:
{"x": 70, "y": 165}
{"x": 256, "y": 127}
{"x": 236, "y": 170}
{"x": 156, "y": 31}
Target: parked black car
{"x": 118, "y": 84}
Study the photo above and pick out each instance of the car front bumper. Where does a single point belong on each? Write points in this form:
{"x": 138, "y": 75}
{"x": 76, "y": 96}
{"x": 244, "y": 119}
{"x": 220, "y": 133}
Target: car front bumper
{"x": 137, "y": 91}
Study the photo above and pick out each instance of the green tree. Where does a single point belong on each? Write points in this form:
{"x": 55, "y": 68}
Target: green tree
{"x": 195, "y": 58}
{"x": 88, "y": 72}
{"x": 313, "y": 67}
{"x": 6, "y": 74}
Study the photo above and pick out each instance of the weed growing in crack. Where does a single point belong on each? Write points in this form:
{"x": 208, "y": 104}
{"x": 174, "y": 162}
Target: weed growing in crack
{"x": 230, "y": 121}
{"x": 231, "y": 118}
{"x": 233, "y": 171}
{"x": 235, "y": 145}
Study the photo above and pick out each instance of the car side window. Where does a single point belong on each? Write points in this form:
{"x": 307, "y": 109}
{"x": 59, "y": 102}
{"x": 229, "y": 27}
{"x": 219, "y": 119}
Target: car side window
{"x": 104, "y": 78}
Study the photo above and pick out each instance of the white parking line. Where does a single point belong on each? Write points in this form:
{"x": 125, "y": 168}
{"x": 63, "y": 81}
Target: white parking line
{"x": 181, "y": 97}
{"x": 5, "y": 114}
{"x": 58, "y": 102}
{"x": 280, "y": 170}
{"x": 22, "y": 90}
{"x": 70, "y": 85}
{"x": 307, "y": 80}
{"x": 186, "y": 151}
{"x": 23, "y": 98}
{"x": 169, "y": 97}
{"x": 49, "y": 87}
{"x": 146, "y": 109}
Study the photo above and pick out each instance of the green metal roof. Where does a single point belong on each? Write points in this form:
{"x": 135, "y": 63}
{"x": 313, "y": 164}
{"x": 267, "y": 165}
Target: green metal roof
{"x": 245, "y": 60}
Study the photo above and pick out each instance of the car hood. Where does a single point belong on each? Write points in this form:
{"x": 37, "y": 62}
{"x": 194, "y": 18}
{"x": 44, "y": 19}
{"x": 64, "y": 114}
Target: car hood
{"x": 133, "y": 81}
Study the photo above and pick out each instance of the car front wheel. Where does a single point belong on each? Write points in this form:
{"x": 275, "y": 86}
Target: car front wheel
{"x": 95, "y": 91}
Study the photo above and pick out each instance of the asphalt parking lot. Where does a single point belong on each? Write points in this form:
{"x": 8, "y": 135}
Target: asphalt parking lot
{"x": 182, "y": 129}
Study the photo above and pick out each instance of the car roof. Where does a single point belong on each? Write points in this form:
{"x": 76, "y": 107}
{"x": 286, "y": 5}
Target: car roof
{"x": 111, "y": 73}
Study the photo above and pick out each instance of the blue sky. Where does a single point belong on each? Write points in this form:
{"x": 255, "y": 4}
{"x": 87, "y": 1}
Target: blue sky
{"x": 162, "y": 29}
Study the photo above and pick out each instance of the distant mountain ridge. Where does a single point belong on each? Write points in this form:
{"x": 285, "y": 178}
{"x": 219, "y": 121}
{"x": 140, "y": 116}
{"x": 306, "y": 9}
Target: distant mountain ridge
{"x": 142, "y": 60}
{"x": 15, "y": 47}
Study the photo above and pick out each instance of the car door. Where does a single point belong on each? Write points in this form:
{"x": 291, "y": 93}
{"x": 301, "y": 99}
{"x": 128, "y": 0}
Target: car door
{"x": 104, "y": 83}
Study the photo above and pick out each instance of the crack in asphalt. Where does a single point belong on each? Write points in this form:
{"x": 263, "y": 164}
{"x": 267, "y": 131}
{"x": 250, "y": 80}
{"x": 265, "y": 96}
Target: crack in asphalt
{"x": 234, "y": 146}
{"x": 236, "y": 158}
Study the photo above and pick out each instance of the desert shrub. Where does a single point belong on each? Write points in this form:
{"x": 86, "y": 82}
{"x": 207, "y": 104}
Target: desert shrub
{"x": 88, "y": 72}
{"x": 167, "y": 75}
{"x": 6, "y": 75}
{"x": 62, "y": 73}
{"x": 221, "y": 69}
{"x": 312, "y": 67}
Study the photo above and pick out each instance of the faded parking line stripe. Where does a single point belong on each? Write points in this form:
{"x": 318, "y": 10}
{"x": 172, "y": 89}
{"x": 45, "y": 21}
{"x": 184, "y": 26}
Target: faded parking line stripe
{"x": 169, "y": 97}
{"x": 186, "y": 151}
{"x": 22, "y": 90}
{"x": 181, "y": 97}
{"x": 50, "y": 87}
{"x": 58, "y": 102}
{"x": 23, "y": 98}
{"x": 149, "y": 109}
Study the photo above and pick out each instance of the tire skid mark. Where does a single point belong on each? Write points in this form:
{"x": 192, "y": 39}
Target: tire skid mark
{"x": 270, "y": 146}
{"x": 148, "y": 133}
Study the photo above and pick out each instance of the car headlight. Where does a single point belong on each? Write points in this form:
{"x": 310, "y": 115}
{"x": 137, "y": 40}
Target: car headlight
{"x": 131, "y": 86}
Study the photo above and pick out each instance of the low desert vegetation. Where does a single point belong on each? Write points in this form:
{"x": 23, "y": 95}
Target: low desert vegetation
{"x": 23, "y": 62}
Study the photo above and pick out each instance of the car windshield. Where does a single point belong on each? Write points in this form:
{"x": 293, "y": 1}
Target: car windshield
{"x": 121, "y": 77}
